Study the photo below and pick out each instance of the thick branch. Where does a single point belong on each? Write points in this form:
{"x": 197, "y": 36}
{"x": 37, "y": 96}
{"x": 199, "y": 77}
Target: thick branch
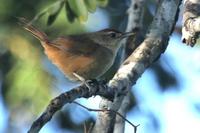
{"x": 135, "y": 15}
{"x": 135, "y": 24}
{"x": 120, "y": 123}
{"x": 191, "y": 22}
{"x": 154, "y": 44}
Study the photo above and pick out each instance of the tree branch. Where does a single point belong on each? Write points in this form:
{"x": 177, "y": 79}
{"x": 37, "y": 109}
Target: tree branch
{"x": 120, "y": 123}
{"x": 135, "y": 24}
{"x": 155, "y": 43}
{"x": 96, "y": 88}
{"x": 191, "y": 22}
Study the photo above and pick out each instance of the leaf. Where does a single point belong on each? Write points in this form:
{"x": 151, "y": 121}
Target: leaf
{"x": 102, "y": 3}
{"x": 79, "y": 9}
{"x": 53, "y": 11}
{"x": 38, "y": 16}
{"x": 69, "y": 13}
{"x": 91, "y": 5}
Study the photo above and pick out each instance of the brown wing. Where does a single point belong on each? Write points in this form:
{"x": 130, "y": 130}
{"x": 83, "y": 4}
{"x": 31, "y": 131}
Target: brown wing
{"x": 78, "y": 45}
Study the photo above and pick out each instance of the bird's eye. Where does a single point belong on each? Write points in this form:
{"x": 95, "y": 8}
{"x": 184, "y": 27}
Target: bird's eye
{"x": 113, "y": 35}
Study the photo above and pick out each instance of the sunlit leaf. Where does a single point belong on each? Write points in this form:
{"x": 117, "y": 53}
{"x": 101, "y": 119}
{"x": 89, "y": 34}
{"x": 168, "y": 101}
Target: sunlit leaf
{"x": 53, "y": 11}
{"x": 91, "y": 5}
{"x": 27, "y": 84}
{"x": 69, "y": 13}
{"x": 79, "y": 9}
{"x": 102, "y": 3}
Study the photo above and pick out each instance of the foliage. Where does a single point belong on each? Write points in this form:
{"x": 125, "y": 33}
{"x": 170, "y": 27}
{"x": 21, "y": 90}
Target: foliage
{"x": 24, "y": 88}
{"x": 74, "y": 9}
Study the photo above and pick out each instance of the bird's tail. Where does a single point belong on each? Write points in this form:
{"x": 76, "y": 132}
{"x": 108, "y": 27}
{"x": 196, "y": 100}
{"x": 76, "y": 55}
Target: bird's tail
{"x": 36, "y": 32}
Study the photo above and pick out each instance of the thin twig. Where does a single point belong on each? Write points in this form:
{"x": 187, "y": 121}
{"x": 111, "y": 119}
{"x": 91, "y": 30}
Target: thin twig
{"x": 109, "y": 110}
{"x": 85, "y": 127}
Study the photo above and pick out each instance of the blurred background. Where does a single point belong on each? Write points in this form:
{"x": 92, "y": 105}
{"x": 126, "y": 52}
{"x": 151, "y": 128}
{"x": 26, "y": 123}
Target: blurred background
{"x": 166, "y": 99}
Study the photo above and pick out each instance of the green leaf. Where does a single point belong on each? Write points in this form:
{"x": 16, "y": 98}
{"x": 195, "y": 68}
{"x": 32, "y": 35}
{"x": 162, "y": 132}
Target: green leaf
{"x": 53, "y": 11}
{"x": 69, "y": 13}
{"x": 91, "y": 5}
{"x": 38, "y": 16}
{"x": 102, "y": 3}
{"x": 79, "y": 9}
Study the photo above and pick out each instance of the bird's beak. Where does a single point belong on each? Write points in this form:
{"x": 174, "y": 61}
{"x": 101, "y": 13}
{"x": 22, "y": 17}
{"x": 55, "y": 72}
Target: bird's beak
{"x": 127, "y": 34}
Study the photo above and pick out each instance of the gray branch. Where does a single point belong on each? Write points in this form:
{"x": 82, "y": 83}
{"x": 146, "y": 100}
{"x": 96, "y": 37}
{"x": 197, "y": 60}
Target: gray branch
{"x": 135, "y": 15}
{"x": 135, "y": 23}
{"x": 120, "y": 123}
{"x": 154, "y": 44}
{"x": 191, "y": 22}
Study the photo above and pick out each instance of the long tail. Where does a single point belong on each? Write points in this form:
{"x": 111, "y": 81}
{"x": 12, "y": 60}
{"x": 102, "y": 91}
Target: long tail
{"x": 36, "y": 32}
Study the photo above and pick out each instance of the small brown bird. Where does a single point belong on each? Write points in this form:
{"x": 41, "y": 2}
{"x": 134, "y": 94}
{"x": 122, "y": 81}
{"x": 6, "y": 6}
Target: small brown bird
{"x": 89, "y": 55}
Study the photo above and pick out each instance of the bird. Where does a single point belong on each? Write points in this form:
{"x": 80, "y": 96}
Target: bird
{"x": 88, "y": 55}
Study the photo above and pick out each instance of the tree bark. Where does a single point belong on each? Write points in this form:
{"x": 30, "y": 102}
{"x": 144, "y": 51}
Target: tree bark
{"x": 191, "y": 22}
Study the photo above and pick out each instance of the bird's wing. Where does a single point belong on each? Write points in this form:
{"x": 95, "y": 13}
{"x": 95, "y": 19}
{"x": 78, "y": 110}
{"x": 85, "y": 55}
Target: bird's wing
{"x": 80, "y": 46}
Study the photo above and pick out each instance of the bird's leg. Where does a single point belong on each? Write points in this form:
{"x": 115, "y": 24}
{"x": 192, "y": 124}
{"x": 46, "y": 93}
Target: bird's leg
{"x": 92, "y": 84}
{"x": 88, "y": 83}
